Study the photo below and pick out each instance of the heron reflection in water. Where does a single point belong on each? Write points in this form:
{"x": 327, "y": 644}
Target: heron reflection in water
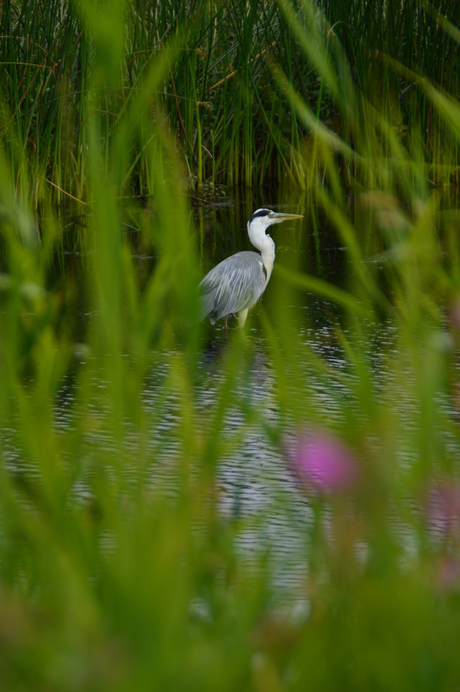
{"x": 238, "y": 282}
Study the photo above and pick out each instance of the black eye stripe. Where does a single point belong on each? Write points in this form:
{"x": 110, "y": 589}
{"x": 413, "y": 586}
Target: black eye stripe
{"x": 259, "y": 213}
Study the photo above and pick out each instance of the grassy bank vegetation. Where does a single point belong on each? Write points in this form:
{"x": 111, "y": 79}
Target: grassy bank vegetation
{"x": 112, "y": 577}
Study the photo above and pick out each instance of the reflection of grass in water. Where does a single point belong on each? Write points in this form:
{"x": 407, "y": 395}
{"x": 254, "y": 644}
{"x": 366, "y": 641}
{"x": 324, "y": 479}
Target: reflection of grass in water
{"x": 102, "y": 590}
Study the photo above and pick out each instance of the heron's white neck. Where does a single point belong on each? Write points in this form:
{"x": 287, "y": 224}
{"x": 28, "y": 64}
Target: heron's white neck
{"x": 263, "y": 243}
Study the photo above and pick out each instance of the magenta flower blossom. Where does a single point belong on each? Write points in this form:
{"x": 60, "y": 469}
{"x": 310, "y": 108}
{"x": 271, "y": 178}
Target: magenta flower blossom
{"x": 448, "y": 572}
{"x": 443, "y": 507}
{"x": 322, "y": 463}
{"x": 455, "y": 314}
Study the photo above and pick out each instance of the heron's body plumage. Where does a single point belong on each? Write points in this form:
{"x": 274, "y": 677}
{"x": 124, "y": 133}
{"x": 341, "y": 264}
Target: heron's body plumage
{"x": 236, "y": 284}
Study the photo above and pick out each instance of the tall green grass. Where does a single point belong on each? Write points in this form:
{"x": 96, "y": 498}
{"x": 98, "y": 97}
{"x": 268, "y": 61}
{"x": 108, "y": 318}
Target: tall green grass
{"x": 231, "y": 122}
{"x": 118, "y": 567}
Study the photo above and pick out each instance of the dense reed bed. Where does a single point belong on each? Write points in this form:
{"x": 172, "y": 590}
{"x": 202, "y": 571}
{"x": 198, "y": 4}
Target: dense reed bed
{"x": 120, "y": 564}
{"x": 217, "y": 90}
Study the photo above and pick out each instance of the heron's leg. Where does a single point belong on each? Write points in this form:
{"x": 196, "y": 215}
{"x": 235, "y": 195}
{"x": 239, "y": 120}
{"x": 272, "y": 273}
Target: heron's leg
{"x": 225, "y": 323}
{"x": 242, "y": 315}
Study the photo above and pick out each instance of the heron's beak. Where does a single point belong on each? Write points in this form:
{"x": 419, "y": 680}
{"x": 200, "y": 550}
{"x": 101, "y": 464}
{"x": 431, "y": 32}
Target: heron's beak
{"x": 277, "y": 217}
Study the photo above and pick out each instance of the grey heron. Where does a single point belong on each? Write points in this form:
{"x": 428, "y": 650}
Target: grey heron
{"x": 238, "y": 282}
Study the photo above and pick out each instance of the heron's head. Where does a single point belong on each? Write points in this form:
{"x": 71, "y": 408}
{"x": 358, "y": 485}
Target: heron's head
{"x": 263, "y": 218}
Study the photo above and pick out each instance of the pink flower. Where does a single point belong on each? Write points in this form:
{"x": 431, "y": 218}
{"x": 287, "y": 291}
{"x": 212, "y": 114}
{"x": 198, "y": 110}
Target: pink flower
{"x": 448, "y": 572}
{"x": 455, "y": 314}
{"x": 443, "y": 507}
{"x": 322, "y": 463}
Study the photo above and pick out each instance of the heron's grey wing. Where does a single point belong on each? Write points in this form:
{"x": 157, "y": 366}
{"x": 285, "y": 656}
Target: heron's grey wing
{"x": 233, "y": 285}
